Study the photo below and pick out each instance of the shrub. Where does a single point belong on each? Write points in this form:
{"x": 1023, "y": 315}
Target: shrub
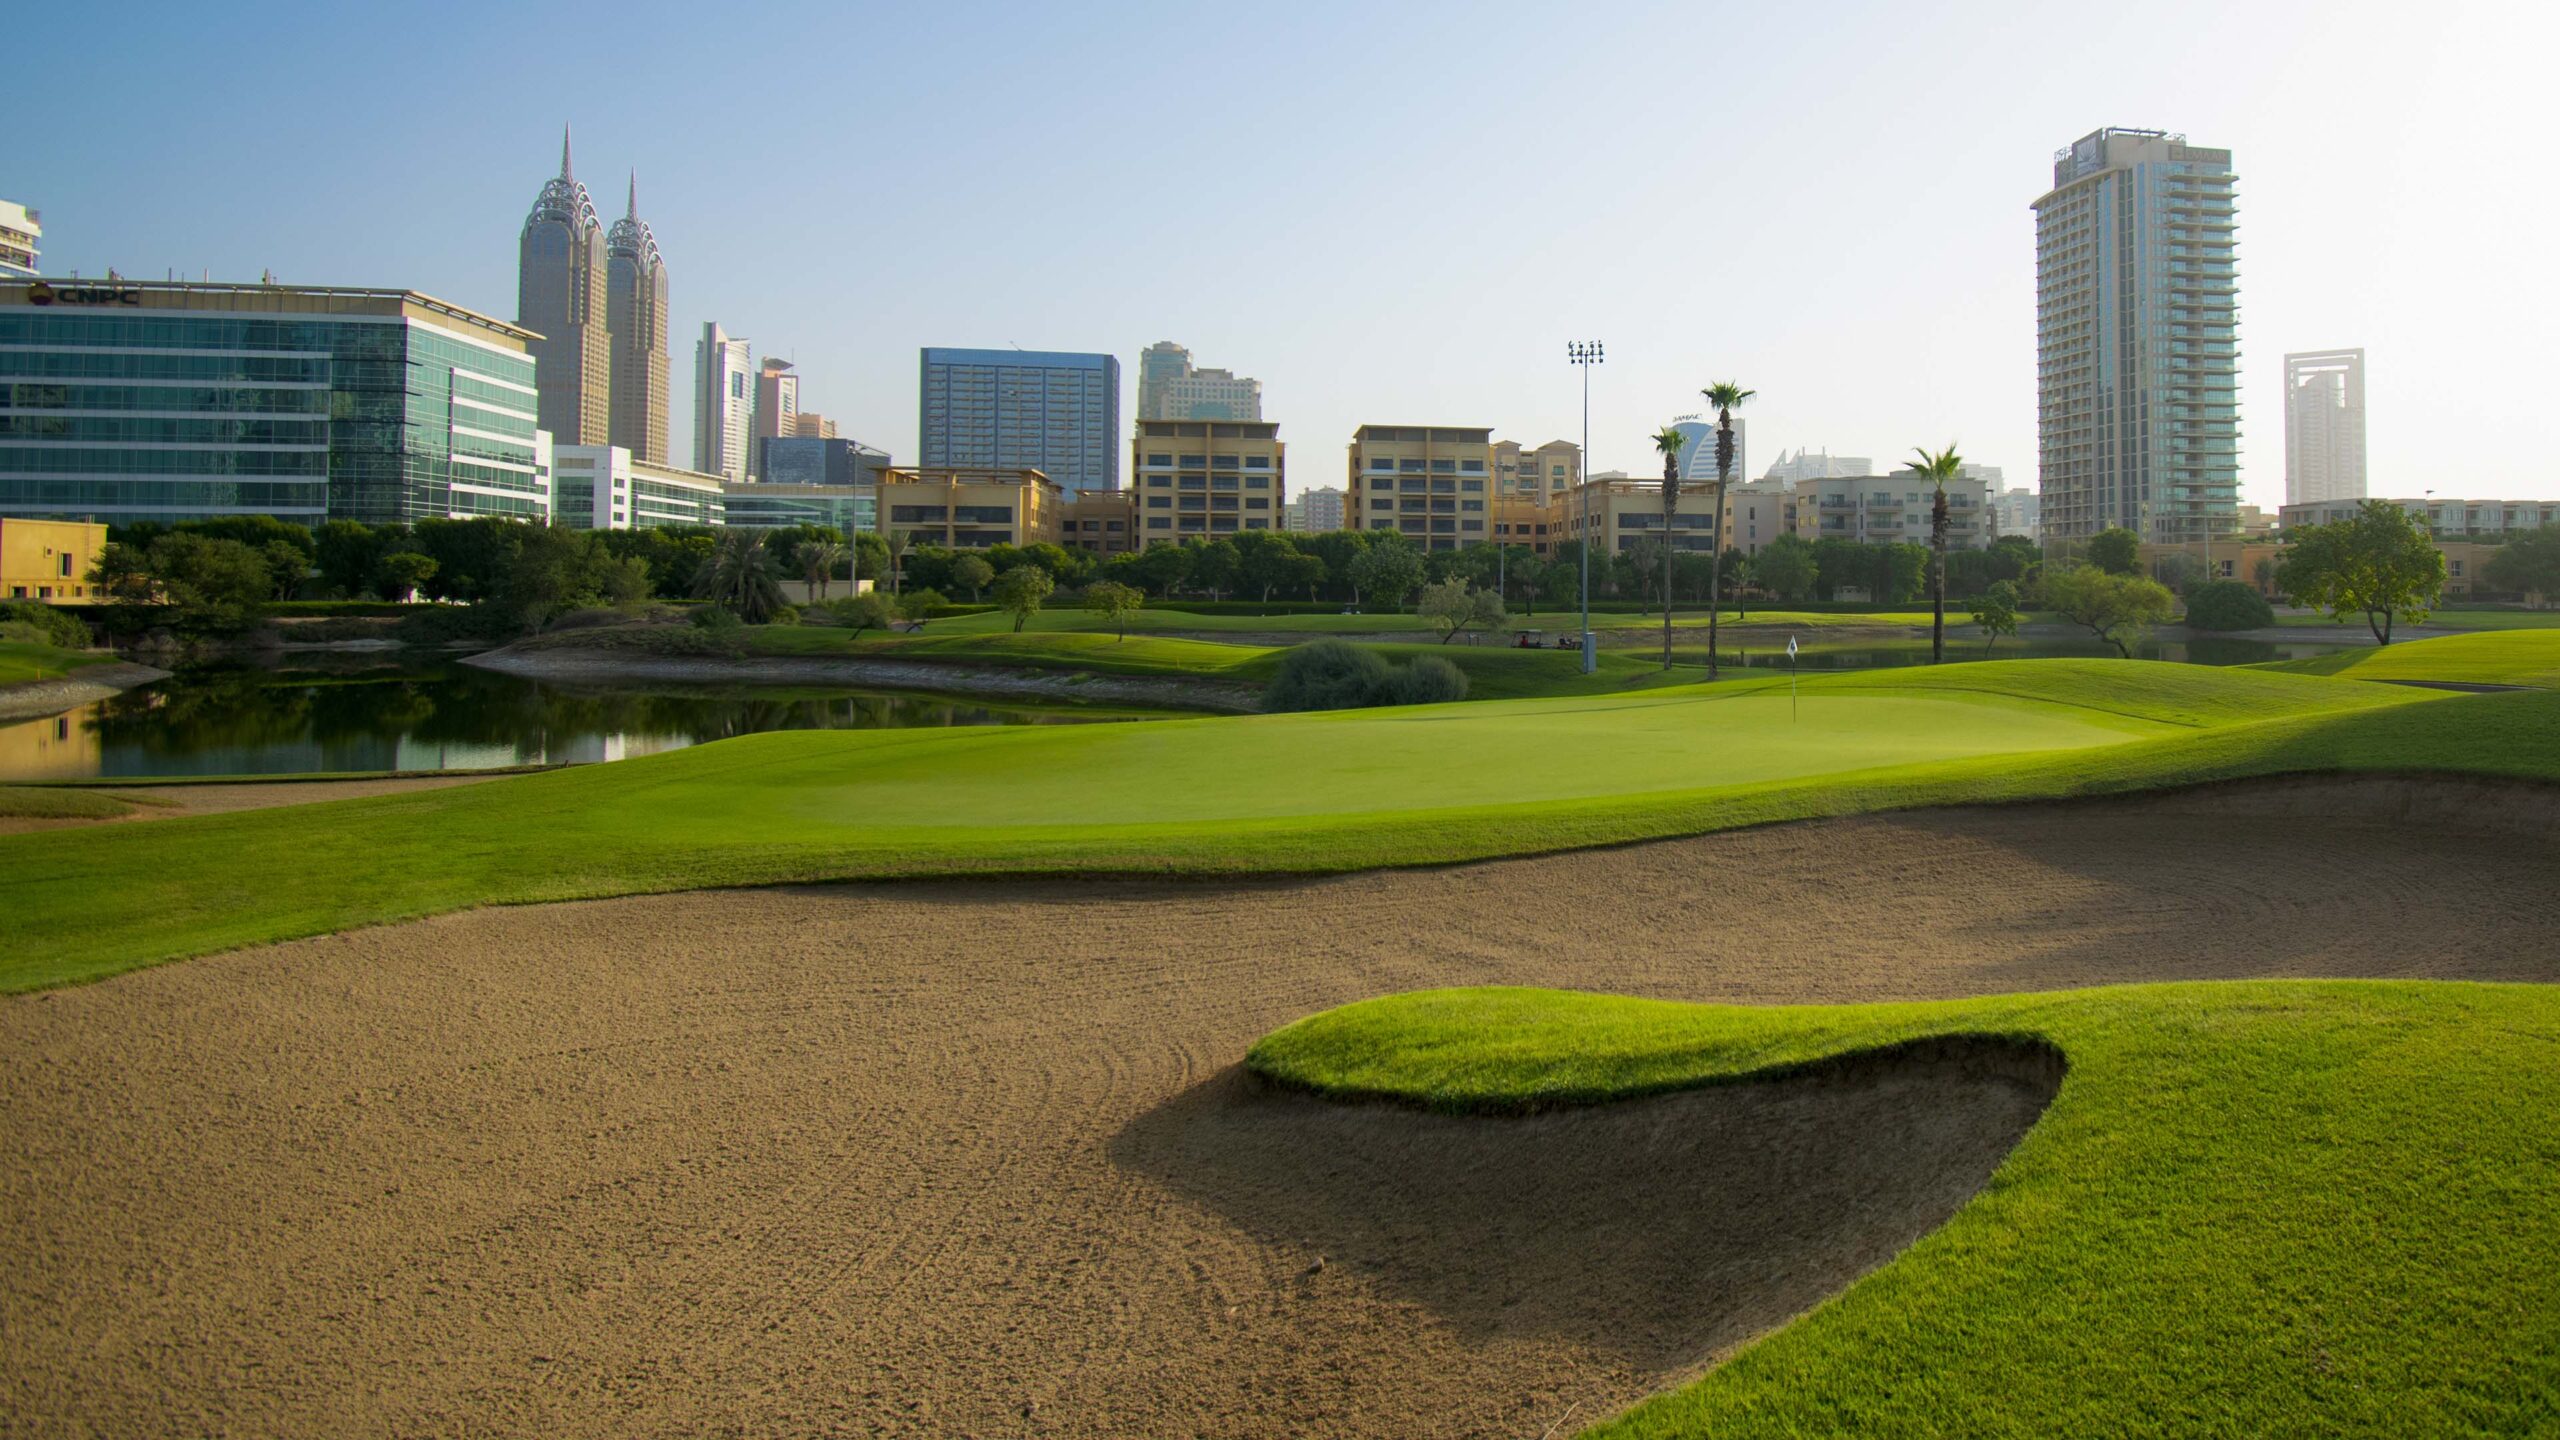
{"x": 446, "y": 624}
{"x": 715, "y": 619}
{"x": 37, "y": 623}
{"x": 1430, "y": 680}
{"x": 1329, "y": 675}
{"x": 784, "y": 615}
{"x": 2228, "y": 605}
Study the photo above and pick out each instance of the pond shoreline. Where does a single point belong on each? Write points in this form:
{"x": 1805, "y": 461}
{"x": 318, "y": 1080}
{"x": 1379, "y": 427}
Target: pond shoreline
{"x": 971, "y": 680}
{"x": 36, "y": 699}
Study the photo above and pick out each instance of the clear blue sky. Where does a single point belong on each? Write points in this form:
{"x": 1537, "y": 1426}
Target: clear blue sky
{"x": 1389, "y": 212}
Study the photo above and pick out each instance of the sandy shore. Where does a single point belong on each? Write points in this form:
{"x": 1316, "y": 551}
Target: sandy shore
{"x": 975, "y": 1159}
{"x": 976, "y": 680}
{"x": 35, "y": 699}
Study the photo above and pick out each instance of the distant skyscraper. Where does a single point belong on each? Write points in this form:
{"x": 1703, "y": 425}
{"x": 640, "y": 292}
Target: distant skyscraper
{"x": 560, "y": 295}
{"x": 2324, "y": 426}
{"x": 636, "y": 313}
{"x": 21, "y": 236}
{"x": 1058, "y": 412}
{"x": 1698, "y": 457}
{"x": 1817, "y": 465}
{"x": 777, "y": 409}
{"x": 2137, "y": 361}
{"x": 724, "y": 404}
{"x": 1171, "y": 388}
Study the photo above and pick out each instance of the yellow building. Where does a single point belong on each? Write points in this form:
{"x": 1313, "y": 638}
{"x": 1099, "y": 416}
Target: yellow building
{"x": 1536, "y": 476}
{"x": 1201, "y": 479}
{"x": 48, "y": 559}
{"x": 1431, "y": 484}
{"x": 1102, "y": 522}
{"x": 963, "y": 507}
{"x": 1625, "y": 510}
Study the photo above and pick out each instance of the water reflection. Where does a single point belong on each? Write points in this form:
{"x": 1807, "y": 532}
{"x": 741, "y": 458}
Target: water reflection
{"x": 362, "y": 713}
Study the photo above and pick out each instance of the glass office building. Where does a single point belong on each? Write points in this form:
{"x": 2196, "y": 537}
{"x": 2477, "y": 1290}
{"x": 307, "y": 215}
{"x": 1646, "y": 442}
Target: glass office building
{"x": 125, "y": 402}
{"x": 1051, "y": 411}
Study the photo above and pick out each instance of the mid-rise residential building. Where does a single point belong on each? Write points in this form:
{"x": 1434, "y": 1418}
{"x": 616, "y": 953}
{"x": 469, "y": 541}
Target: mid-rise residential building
{"x": 1535, "y": 475}
{"x": 1757, "y": 512}
{"x": 1170, "y": 387}
{"x": 48, "y": 560}
{"x": 777, "y": 409}
{"x": 1698, "y": 456}
{"x": 561, "y": 298}
{"x": 1888, "y": 509}
{"x": 2323, "y": 426}
{"x": 605, "y": 487}
{"x": 636, "y": 316}
{"x": 1057, "y": 412}
{"x": 724, "y": 404}
{"x": 2137, "y": 356}
{"x": 810, "y": 425}
{"x": 1200, "y": 479}
{"x": 1817, "y": 465}
{"x": 2447, "y": 519}
{"x": 1319, "y": 511}
{"x": 1432, "y": 484}
{"x": 1622, "y": 511}
{"x": 21, "y": 240}
{"x": 2019, "y": 510}
{"x": 165, "y": 402}
{"x": 960, "y": 507}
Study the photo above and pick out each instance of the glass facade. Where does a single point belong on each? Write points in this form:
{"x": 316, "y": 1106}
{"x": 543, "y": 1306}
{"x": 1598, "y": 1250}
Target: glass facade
{"x": 123, "y": 416}
{"x": 1056, "y": 412}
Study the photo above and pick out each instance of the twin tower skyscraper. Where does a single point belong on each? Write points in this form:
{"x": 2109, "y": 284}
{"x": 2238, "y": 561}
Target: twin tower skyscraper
{"x": 598, "y": 299}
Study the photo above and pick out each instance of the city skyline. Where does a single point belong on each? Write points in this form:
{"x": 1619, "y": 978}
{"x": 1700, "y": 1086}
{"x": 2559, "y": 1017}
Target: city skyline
{"x": 1863, "y": 328}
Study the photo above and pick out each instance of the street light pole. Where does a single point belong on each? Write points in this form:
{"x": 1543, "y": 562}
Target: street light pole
{"x": 1585, "y": 354}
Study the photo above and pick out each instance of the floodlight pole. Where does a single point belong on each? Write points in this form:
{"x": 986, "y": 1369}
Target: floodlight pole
{"x": 1584, "y": 355}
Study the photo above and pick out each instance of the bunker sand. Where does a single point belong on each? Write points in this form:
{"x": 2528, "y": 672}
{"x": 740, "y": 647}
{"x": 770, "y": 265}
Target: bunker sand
{"x": 977, "y": 1159}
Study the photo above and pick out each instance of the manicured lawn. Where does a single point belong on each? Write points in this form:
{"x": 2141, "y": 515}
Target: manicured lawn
{"x": 2495, "y": 657}
{"x": 46, "y": 802}
{"x": 2450, "y": 619}
{"x": 1256, "y": 794}
{"x": 2300, "y": 1208}
{"x": 1554, "y": 621}
{"x": 20, "y": 660}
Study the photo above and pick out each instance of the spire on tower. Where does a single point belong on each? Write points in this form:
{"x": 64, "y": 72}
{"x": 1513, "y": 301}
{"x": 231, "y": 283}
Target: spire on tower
{"x": 634, "y": 212}
{"x": 564, "y": 151}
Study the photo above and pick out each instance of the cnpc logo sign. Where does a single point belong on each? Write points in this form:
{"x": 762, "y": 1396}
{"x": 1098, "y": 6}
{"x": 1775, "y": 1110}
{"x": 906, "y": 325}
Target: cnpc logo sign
{"x": 42, "y": 293}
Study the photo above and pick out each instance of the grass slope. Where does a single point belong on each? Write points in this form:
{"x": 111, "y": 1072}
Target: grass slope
{"x": 1553, "y": 621}
{"x": 2492, "y": 657}
{"x": 45, "y": 802}
{"x": 1263, "y": 794}
{"x": 23, "y": 660}
{"x": 2265, "y": 1208}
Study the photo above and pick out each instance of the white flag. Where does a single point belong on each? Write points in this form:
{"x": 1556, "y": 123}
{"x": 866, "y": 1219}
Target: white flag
{"x": 1791, "y": 647}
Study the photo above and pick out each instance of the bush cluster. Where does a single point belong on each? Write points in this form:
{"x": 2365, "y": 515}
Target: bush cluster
{"x": 2228, "y": 605}
{"x": 1338, "y": 675}
{"x": 32, "y": 622}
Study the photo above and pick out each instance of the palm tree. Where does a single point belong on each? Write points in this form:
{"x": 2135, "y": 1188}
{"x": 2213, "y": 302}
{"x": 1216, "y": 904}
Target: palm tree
{"x": 900, "y": 542}
{"x": 1938, "y": 469}
{"x": 1669, "y": 441}
{"x": 818, "y": 561}
{"x": 739, "y": 577}
{"x": 1726, "y": 396}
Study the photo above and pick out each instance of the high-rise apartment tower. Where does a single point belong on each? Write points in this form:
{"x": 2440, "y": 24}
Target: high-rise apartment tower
{"x": 1170, "y": 387}
{"x": 636, "y": 313}
{"x": 724, "y": 403}
{"x": 560, "y": 296}
{"x": 1053, "y": 411}
{"x": 2324, "y": 426}
{"x": 2137, "y": 358}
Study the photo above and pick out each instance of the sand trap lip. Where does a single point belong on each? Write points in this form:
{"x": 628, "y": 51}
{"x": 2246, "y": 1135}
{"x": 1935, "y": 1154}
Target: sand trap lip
{"x": 975, "y": 1157}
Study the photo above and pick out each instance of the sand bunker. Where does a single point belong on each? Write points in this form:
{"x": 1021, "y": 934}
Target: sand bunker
{"x": 975, "y": 1158}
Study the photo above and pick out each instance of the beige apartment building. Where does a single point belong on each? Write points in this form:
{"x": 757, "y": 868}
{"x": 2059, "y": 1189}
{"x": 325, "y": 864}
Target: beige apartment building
{"x": 1624, "y": 510}
{"x": 1757, "y": 512}
{"x": 1431, "y": 484}
{"x": 1536, "y": 475}
{"x": 963, "y": 507}
{"x": 1201, "y": 479}
{"x": 1103, "y": 522}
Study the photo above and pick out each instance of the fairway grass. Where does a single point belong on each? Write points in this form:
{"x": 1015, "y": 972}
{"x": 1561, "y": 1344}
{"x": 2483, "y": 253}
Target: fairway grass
{"x": 2491, "y": 657}
{"x": 1317, "y": 793}
{"x": 21, "y": 661}
{"x": 2256, "y": 1208}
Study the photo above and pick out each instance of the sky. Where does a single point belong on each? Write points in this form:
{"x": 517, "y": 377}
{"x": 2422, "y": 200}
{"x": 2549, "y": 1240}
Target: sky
{"x": 1391, "y": 213}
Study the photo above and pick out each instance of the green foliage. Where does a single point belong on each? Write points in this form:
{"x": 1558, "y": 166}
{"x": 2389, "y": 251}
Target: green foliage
{"x": 2228, "y": 605}
{"x": 918, "y": 604}
{"x": 1453, "y": 606}
{"x": 868, "y": 611}
{"x": 1020, "y": 590}
{"x": 1386, "y": 571}
{"x": 2380, "y": 561}
{"x": 1996, "y": 612}
{"x": 871, "y": 557}
{"x": 2115, "y": 550}
{"x": 1429, "y": 680}
{"x": 1329, "y": 675}
{"x": 2119, "y": 609}
{"x": 739, "y": 577}
{"x": 401, "y": 573}
{"x": 971, "y": 573}
{"x": 185, "y": 580}
{"x": 2528, "y": 564}
{"x": 33, "y": 622}
{"x": 552, "y": 571}
{"x": 347, "y": 556}
{"x": 1786, "y": 568}
{"x": 1114, "y": 602}
{"x": 1216, "y": 566}
{"x": 716, "y": 619}
{"x": 818, "y": 562}
{"x": 470, "y": 555}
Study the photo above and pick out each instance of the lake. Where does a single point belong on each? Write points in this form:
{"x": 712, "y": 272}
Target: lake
{"x": 333, "y": 712}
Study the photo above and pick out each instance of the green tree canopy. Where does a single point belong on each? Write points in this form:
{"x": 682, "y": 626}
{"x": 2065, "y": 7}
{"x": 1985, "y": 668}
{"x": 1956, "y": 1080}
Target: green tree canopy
{"x": 2119, "y": 609}
{"x": 972, "y": 573}
{"x": 1114, "y": 602}
{"x": 1387, "y": 571}
{"x": 1020, "y": 590}
{"x": 1996, "y": 611}
{"x": 2379, "y": 561}
{"x": 2116, "y": 550}
{"x": 1785, "y": 567}
{"x": 1453, "y": 605}
{"x": 2529, "y": 564}
{"x": 739, "y": 578}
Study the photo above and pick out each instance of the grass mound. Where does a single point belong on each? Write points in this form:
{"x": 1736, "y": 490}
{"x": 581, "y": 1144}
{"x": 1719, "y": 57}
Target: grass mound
{"x": 46, "y": 802}
{"x": 2259, "y": 1208}
{"x": 22, "y": 660}
{"x": 2489, "y": 657}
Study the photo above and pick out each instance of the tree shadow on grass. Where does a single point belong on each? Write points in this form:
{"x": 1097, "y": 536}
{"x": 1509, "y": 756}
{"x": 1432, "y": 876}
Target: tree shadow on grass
{"x": 1657, "y": 1233}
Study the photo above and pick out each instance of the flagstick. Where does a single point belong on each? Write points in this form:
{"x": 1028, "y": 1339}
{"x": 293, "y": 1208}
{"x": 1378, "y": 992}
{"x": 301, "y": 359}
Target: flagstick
{"x": 1791, "y": 679}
